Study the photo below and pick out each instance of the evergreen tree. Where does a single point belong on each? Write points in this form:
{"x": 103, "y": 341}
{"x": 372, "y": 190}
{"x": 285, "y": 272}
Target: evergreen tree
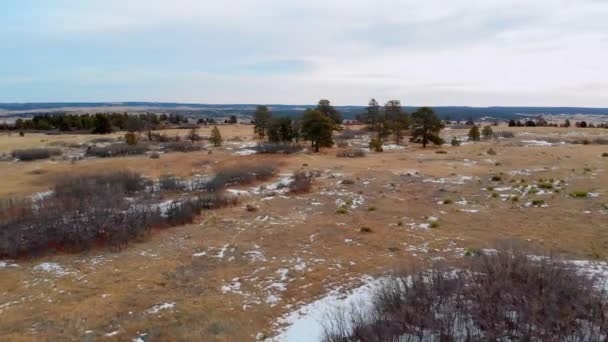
{"x": 396, "y": 119}
{"x": 281, "y": 130}
{"x": 372, "y": 115}
{"x": 101, "y": 124}
{"x": 325, "y": 107}
{"x": 474, "y": 134}
{"x": 455, "y": 142}
{"x": 260, "y": 121}
{"x": 216, "y": 137}
{"x": 317, "y": 128}
{"x": 487, "y": 132}
{"x": 426, "y": 127}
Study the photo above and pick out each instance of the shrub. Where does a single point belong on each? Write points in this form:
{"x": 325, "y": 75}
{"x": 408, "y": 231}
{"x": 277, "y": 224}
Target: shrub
{"x": 116, "y": 150}
{"x": 455, "y": 142}
{"x": 434, "y": 224}
{"x": 35, "y": 153}
{"x": 85, "y": 211}
{"x": 365, "y": 230}
{"x": 505, "y": 295}
{"x": 170, "y": 183}
{"x": 342, "y": 211}
{"x": 538, "y": 202}
{"x": 605, "y": 154}
{"x": 281, "y": 147}
{"x": 441, "y": 152}
{"x": 579, "y": 193}
{"x": 496, "y": 178}
{"x": 376, "y": 145}
{"x": 154, "y": 155}
{"x": 131, "y": 138}
{"x": 83, "y": 186}
{"x": 181, "y": 146}
{"x": 302, "y": 182}
{"x": 371, "y": 208}
{"x": 547, "y": 186}
{"x": 351, "y": 153}
{"x": 241, "y": 174}
{"x": 347, "y": 182}
{"x": 447, "y": 201}
{"x": 491, "y": 152}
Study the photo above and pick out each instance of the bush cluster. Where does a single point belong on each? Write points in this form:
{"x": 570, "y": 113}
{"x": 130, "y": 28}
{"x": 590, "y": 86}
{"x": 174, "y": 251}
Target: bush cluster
{"x": 85, "y": 211}
{"x": 35, "y": 153}
{"x": 351, "y": 153}
{"x": 279, "y": 147}
{"x": 302, "y": 182}
{"x": 116, "y": 150}
{"x": 502, "y": 296}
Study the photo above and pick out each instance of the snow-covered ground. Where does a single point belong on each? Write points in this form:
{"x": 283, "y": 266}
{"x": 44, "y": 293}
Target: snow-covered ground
{"x": 307, "y": 323}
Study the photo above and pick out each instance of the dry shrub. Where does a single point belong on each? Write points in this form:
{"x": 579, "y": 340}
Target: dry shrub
{"x": 170, "y": 183}
{"x": 240, "y": 174}
{"x": 504, "y": 296}
{"x": 302, "y": 182}
{"x": 85, "y": 211}
{"x": 285, "y": 147}
{"x": 351, "y": 153}
{"x": 181, "y": 146}
{"x": 35, "y": 153}
{"x": 116, "y": 150}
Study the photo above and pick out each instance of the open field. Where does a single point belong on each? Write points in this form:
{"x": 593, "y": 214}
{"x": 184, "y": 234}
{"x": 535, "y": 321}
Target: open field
{"x": 232, "y": 274}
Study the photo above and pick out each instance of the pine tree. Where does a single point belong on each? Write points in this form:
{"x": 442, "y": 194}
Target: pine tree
{"x": 487, "y": 132}
{"x": 426, "y": 127}
{"x": 260, "y": 121}
{"x": 216, "y": 137}
{"x": 474, "y": 133}
{"x": 317, "y": 128}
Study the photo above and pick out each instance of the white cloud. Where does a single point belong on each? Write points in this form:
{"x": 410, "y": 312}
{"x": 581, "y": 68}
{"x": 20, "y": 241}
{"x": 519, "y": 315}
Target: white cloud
{"x": 469, "y": 52}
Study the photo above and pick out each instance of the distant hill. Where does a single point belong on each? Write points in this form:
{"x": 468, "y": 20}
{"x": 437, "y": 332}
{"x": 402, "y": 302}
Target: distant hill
{"x": 222, "y": 110}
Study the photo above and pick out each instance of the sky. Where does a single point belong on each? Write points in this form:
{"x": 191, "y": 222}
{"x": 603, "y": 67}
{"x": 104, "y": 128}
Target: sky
{"x": 432, "y": 52}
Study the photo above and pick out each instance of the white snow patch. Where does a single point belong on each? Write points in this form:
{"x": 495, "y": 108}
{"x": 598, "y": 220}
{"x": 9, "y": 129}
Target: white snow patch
{"x": 53, "y": 268}
{"x": 306, "y": 323}
{"x": 160, "y": 307}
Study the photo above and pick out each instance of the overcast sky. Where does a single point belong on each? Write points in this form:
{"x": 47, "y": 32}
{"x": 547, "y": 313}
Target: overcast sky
{"x": 431, "y": 52}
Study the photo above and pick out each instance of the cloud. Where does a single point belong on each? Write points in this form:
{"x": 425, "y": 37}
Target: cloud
{"x": 493, "y": 52}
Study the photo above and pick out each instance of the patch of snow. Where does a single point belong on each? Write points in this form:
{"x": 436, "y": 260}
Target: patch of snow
{"x": 234, "y": 287}
{"x": 53, "y": 268}
{"x": 245, "y": 152}
{"x": 160, "y": 307}
{"x": 537, "y": 143}
{"x": 306, "y": 323}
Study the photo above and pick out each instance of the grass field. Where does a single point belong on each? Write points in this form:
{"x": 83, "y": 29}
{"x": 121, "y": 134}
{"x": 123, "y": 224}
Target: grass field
{"x": 234, "y": 272}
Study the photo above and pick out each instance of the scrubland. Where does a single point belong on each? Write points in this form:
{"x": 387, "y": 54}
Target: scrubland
{"x": 285, "y": 228}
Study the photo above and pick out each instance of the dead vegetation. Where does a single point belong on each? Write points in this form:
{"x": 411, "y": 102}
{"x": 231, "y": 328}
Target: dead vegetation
{"x": 35, "y": 153}
{"x": 116, "y": 150}
{"x": 502, "y": 295}
{"x": 351, "y": 153}
{"x": 99, "y": 209}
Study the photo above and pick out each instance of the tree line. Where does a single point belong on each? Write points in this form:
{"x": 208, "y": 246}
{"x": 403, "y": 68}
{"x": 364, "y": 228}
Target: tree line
{"x": 317, "y": 124}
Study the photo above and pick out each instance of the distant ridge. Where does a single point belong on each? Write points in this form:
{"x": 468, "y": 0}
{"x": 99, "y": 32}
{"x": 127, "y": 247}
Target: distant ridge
{"x": 349, "y": 112}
